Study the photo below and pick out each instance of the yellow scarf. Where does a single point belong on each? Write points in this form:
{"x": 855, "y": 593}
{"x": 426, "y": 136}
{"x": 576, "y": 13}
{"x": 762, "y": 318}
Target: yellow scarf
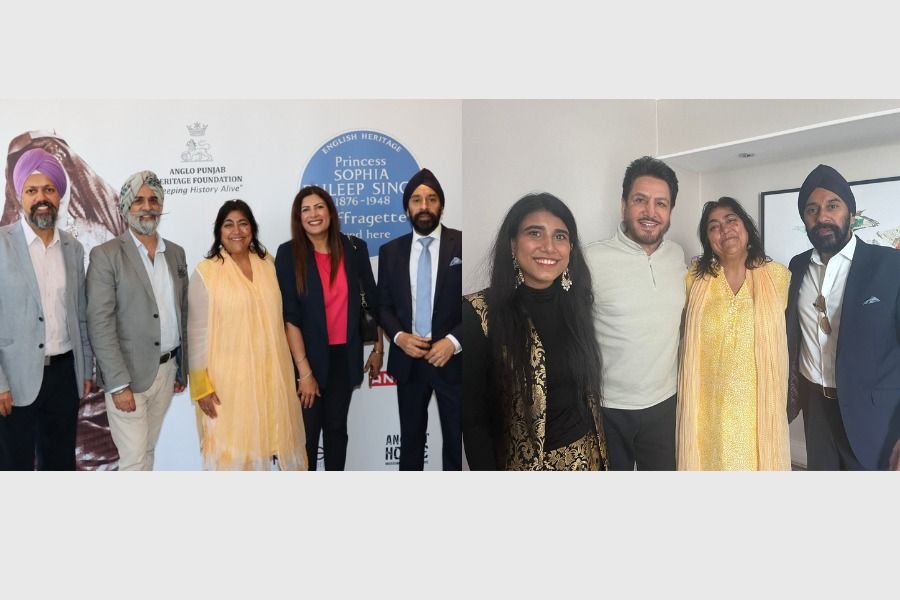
{"x": 250, "y": 368}
{"x": 771, "y": 357}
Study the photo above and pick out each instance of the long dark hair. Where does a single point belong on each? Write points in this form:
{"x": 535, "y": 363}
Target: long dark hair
{"x": 302, "y": 246}
{"x": 243, "y": 208}
{"x": 706, "y": 263}
{"x": 509, "y": 328}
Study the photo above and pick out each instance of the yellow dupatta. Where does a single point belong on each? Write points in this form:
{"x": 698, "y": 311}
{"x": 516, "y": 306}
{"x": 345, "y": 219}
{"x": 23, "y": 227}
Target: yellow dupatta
{"x": 770, "y": 354}
{"x": 250, "y": 368}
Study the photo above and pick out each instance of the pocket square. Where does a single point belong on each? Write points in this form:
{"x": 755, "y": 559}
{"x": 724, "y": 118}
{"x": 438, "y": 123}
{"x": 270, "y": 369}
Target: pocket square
{"x": 455, "y": 261}
{"x": 872, "y": 300}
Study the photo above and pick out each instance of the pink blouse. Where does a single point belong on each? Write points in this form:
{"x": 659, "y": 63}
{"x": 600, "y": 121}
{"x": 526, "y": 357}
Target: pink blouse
{"x": 336, "y": 300}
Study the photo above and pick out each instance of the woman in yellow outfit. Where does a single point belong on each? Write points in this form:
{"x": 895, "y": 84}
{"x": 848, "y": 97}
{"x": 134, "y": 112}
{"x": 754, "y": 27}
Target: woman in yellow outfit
{"x": 241, "y": 377}
{"x": 732, "y": 385}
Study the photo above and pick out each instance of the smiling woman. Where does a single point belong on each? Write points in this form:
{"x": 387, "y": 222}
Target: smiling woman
{"x": 531, "y": 366}
{"x": 732, "y": 384}
{"x": 323, "y": 275}
{"x": 241, "y": 373}
{"x": 541, "y": 249}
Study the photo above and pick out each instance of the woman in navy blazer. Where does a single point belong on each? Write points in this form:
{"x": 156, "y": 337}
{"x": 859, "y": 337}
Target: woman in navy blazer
{"x": 322, "y": 273}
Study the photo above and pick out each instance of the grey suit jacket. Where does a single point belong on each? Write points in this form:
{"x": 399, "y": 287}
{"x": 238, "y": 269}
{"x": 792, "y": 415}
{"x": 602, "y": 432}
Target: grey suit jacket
{"x": 22, "y": 316}
{"x": 122, "y": 315}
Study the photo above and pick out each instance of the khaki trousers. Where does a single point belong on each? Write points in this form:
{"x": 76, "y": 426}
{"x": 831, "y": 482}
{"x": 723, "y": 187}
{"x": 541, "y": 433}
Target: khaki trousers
{"x": 136, "y": 433}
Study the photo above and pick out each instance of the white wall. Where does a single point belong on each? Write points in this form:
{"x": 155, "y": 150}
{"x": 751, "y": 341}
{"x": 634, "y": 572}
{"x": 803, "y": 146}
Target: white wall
{"x": 746, "y": 184}
{"x": 685, "y": 217}
{"x": 689, "y": 124}
{"x": 576, "y": 150}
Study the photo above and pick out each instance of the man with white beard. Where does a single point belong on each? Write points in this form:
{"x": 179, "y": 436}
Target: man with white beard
{"x": 45, "y": 358}
{"x": 137, "y": 321}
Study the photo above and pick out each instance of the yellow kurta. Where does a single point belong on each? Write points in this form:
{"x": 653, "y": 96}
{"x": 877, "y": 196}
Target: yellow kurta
{"x": 727, "y": 419}
{"x": 242, "y": 355}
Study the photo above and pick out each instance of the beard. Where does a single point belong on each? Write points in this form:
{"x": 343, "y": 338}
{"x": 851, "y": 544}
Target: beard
{"x": 425, "y": 222}
{"x": 141, "y": 226}
{"x": 829, "y": 244}
{"x": 649, "y": 238}
{"x": 46, "y": 220}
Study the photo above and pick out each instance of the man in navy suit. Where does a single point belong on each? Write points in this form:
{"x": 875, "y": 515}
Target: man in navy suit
{"x": 420, "y": 292}
{"x": 843, "y": 320}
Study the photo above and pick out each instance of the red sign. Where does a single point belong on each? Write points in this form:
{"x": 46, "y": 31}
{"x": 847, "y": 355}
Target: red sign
{"x": 381, "y": 380}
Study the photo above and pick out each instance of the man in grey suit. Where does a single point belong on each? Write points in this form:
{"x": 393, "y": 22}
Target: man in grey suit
{"x": 45, "y": 358}
{"x": 137, "y": 321}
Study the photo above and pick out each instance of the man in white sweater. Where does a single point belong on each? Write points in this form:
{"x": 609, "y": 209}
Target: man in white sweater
{"x": 639, "y": 296}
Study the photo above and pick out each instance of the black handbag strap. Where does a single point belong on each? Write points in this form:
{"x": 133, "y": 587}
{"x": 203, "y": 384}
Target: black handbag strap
{"x": 362, "y": 292}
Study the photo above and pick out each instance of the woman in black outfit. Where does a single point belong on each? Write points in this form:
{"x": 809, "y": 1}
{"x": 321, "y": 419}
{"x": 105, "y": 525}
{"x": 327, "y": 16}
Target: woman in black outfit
{"x": 322, "y": 273}
{"x": 531, "y": 366}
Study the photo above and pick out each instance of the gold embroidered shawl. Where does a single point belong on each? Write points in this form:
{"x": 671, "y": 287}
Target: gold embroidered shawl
{"x": 522, "y": 448}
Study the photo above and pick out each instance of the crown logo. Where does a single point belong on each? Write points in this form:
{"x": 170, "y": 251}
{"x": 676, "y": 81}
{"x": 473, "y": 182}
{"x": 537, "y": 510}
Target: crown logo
{"x": 197, "y": 129}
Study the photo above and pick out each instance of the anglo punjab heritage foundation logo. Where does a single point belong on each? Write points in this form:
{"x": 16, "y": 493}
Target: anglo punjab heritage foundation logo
{"x": 197, "y": 146}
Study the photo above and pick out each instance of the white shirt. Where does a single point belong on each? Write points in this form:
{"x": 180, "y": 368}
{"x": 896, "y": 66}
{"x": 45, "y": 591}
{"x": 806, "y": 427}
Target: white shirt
{"x": 164, "y": 291}
{"x": 818, "y": 350}
{"x": 638, "y": 301}
{"x": 414, "y": 254}
{"x": 50, "y": 272}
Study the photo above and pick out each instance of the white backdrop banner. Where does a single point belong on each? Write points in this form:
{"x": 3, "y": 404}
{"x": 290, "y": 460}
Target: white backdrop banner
{"x": 207, "y": 152}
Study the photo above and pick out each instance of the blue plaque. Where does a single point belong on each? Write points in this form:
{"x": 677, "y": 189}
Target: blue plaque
{"x": 365, "y": 172}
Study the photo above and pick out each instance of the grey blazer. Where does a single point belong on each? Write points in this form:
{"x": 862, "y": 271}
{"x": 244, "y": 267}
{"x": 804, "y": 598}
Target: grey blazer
{"x": 122, "y": 316}
{"x": 22, "y": 316}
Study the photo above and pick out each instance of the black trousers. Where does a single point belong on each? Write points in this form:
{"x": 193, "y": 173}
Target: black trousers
{"x": 45, "y": 428}
{"x": 328, "y": 414}
{"x": 644, "y": 438}
{"x": 413, "y": 398}
{"x": 827, "y": 446}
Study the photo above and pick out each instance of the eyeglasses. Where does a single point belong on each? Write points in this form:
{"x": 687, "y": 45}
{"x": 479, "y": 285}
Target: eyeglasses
{"x": 824, "y": 323}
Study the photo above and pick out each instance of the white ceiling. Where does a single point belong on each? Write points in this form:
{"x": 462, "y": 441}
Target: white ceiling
{"x": 861, "y": 131}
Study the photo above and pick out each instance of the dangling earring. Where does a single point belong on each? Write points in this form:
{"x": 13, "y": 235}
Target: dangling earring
{"x": 566, "y": 280}
{"x": 520, "y": 278}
